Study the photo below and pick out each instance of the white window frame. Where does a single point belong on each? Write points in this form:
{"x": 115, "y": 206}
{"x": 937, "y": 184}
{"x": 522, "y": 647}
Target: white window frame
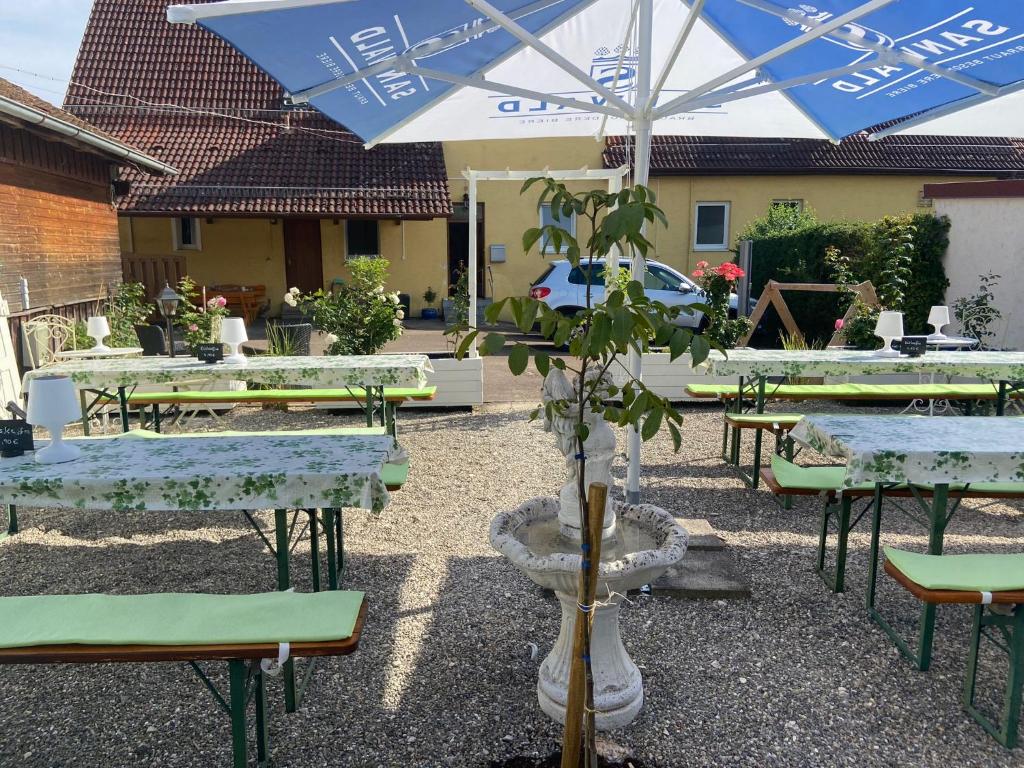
{"x": 545, "y": 246}
{"x": 794, "y": 201}
{"x": 197, "y": 242}
{"x": 725, "y": 225}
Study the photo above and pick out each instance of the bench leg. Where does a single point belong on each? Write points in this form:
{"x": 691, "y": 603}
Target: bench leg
{"x": 339, "y": 523}
{"x": 787, "y": 441}
{"x": 237, "y": 696}
{"x": 12, "y": 521}
{"x": 122, "y": 399}
{"x": 156, "y": 418}
{"x": 262, "y": 732}
{"x": 281, "y": 551}
{"x": 1012, "y": 630}
{"x": 837, "y": 580}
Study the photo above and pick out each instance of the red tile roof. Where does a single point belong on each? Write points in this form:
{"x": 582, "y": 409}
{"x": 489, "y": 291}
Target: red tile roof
{"x": 931, "y": 155}
{"x": 187, "y": 98}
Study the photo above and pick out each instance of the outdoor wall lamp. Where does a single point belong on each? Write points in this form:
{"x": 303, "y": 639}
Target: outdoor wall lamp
{"x": 167, "y": 302}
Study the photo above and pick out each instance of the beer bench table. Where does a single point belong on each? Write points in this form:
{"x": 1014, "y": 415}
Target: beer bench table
{"x": 250, "y": 632}
{"x": 1001, "y": 375}
{"x": 364, "y": 379}
{"x": 934, "y": 459}
{"x": 315, "y": 474}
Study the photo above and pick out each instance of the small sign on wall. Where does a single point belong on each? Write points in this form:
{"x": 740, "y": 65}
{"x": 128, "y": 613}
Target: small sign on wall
{"x": 497, "y": 253}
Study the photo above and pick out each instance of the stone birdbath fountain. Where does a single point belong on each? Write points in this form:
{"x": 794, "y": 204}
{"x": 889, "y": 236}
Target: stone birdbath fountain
{"x": 542, "y": 538}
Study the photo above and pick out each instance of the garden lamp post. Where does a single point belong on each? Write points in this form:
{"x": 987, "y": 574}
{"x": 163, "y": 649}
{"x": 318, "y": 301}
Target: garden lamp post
{"x": 167, "y": 302}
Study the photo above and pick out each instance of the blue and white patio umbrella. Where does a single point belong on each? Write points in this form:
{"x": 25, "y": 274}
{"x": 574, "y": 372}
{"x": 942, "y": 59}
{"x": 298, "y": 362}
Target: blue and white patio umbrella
{"x": 449, "y": 70}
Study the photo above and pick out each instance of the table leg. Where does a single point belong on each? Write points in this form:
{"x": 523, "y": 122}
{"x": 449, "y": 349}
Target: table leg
{"x": 85, "y": 412}
{"x": 332, "y": 560}
{"x": 734, "y": 450}
{"x": 12, "y": 522}
{"x": 1001, "y": 399}
{"x": 314, "y": 547}
{"x": 122, "y": 397}
{"x": 755, "y": 476}
{"x": 281, "y": 550}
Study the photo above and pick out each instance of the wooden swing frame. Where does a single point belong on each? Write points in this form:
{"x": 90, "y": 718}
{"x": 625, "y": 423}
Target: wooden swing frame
{"x": 772, "y": 296}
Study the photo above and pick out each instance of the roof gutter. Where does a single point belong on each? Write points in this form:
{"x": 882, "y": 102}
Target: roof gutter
{"x": 115, "y": 149}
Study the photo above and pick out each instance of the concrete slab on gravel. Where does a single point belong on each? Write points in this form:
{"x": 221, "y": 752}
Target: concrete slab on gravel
{"x": 703, "y": 575}
{"x": 702, "y": 535}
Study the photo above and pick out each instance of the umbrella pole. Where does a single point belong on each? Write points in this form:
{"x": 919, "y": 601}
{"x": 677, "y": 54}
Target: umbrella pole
{"x": 641, "y": 171}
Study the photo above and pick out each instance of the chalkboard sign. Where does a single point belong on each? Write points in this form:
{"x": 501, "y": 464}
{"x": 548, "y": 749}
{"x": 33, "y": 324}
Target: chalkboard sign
{"x": 15, "y": 437}
{"x": 913, "y": 346}
{"x": 210, "y": 353}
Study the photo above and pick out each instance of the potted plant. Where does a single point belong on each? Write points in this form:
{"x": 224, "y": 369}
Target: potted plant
{"x": 429, "y": 311}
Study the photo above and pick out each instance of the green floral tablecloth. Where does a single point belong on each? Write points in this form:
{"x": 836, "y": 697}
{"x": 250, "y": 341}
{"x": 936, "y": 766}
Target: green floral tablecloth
{"x": 325, "y": 371}
{"x": 918, "y": 449}
{"x": 215, "y": 473}
{"x": 994, "y": 366}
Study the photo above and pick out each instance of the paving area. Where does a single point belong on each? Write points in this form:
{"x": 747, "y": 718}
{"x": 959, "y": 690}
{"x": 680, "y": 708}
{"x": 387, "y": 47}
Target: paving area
{"x": 792, "y": 676}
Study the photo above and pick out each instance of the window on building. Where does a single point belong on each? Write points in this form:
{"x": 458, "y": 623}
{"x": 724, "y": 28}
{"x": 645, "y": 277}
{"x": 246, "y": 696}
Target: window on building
{"x": 185, "y": 232}
{"x": 362, "y": 238}
{"x": 796, "y": 205}
{"x": 711, "y": 232}
{"x": 547, "y": 218}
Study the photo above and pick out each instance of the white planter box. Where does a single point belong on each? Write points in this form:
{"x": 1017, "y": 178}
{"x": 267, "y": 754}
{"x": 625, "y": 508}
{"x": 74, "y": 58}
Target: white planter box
{"x": 668, "y": 378}
{"x": 459, "y": 383}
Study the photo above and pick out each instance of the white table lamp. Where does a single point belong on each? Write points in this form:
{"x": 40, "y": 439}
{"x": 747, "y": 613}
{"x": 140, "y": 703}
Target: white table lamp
{"x": 232, "y": 333}
{"x": 938, "y": 317}
{"x": 52, "y": 403}
{"x": 889, "y": 327}
{"x": 99, "y": 329}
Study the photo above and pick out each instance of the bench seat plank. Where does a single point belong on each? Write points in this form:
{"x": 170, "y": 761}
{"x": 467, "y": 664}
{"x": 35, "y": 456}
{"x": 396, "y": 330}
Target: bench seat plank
{"x": 854, "y": 391}
{"x": 967, "y": 574}
{"x": 177, "y": 619}
{"x": 354, "y": 394}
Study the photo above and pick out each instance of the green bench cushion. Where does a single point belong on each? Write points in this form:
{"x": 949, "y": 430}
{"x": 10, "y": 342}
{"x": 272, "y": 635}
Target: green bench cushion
{"x": 284, "y": 395}
{"x": 961, "y": 573}
{"x": 178, "y": 619}
{"x": 853, "y": 390}
{"x": 790, "y": 475}
{"x": 393, "y": 475}
{"x": 767, "y": 419}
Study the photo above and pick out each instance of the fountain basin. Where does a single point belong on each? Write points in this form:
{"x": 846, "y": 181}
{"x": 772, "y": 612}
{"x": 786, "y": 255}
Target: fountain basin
{"x": 645, "y": 542}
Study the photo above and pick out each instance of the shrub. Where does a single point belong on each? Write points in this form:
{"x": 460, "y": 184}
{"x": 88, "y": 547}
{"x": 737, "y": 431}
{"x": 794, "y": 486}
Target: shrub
{"x": 359, "y": 318}
{"x": 717, "y": 284}
{"x": 790, "y": 246}
{"x": 126, "y": 309}
{"x": 200, "y": 325}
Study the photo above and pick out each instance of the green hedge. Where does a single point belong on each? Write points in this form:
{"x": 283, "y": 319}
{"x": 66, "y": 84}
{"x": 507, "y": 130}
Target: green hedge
{"x": 798, "y": 256}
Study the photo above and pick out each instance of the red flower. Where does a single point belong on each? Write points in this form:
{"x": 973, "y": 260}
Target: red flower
{"x": 729, "y": 271}
{"x": 698, "y": 273}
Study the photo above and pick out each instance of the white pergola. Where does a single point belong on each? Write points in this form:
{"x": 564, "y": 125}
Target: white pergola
{"x": 614, "y": 178}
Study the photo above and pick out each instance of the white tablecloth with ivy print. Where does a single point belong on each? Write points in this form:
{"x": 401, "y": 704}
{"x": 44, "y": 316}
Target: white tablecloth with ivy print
{"x": 208, "y": 474}
{"x": 919, "y": 450}
{"x": 325, "y": 371}
{"x": 993, "y": 366}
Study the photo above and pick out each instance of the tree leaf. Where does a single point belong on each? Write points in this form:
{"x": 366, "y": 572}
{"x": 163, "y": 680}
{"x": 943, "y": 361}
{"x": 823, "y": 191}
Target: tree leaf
{"x": 518, "y": 359}
{"x": 543, "y": 363}
{"x": 677, "y": 439}
{"x": 651, "y": 424}
{"x": 530, "y": 238}
{"x": 699, "y": 348}
{"x": 680, "y": 340}
{"x": 467, "y": 340}
{"x": 492, "y": 344}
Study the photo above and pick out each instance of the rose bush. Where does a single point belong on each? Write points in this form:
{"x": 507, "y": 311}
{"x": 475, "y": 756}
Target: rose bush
{"x": 717, "y": 284}
{"x": 199, "y": 324}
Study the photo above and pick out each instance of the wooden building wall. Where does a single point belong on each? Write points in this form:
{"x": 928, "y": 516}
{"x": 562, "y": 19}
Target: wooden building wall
{"x": 58, "y": 228}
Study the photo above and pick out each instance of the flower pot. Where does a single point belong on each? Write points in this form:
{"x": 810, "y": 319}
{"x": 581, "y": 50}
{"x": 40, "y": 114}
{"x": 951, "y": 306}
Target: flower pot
{"x": 429, "y": 313}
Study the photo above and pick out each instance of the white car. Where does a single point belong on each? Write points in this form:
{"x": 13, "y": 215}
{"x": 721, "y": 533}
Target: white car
{"x": 563, "y": 287}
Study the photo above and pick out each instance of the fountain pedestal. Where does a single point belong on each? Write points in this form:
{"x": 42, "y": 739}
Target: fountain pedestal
{"x": 618, "y": 687}
{"x": 644, "y": 543}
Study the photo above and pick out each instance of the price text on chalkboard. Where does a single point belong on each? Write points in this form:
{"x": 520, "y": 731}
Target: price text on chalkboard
{"x": 15, "y": 437}
{"x": 210, "y": 353}
{"x": 913, "y": 346}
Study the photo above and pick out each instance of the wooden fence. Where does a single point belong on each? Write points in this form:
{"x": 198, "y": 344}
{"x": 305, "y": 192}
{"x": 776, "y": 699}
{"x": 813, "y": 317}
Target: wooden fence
{"x": 153, "y": 271}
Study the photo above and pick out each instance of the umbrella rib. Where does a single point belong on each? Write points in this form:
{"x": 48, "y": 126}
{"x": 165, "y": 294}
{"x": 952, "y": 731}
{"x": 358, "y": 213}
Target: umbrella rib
{"x": 945, "y": 110}
{"x": 721, "y": 97}
{"x": 618, "y": 66}
{"x": 513, "y": 90}
{"x": 527, "y": 38}
{"x": 303, "y": 96}
{"x": 677, "y": 48}
{"x": 816, "y": 32}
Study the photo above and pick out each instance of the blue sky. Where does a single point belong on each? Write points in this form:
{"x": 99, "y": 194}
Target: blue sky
{"x": 41, "y": 36}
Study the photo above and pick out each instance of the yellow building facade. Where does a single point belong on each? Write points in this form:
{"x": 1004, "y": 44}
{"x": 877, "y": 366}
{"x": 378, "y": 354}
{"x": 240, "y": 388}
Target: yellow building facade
{"x": 422, "y": 253}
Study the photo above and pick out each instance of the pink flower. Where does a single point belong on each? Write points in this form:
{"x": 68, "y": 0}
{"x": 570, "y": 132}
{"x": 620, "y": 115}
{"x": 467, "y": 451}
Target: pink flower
{"x": 702, "y": 265}
{"x": 193, "y": 327}
{"x": 839, "y": 324}
{"x": 698, "y": 273}
{"x": 221, "y": 301}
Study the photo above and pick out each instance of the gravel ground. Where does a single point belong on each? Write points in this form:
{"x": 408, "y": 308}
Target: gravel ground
{"x": 793, "y": 677}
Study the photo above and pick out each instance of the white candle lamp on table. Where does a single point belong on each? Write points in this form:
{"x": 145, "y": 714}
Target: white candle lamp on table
{"x": 889, "y": 328}
{"x": 232, "y": 333}
{"x": 52, "y": 403}
{"x": 938, "y": 318}
{"x": 98, "y": 328}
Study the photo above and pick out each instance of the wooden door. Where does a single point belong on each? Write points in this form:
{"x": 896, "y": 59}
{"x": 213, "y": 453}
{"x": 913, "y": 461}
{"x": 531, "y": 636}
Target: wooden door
{"x": 303, "y": 258}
